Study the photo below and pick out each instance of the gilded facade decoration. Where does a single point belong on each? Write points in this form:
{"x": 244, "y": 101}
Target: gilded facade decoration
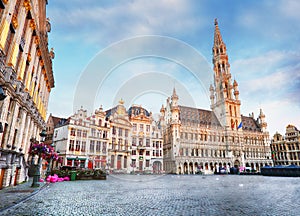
{"x": 22, "y": 112}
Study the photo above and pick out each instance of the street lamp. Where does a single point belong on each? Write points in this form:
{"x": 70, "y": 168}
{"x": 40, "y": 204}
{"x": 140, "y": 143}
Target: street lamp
{"x": 43, "y": 134}
{"x": 41, "y": 149}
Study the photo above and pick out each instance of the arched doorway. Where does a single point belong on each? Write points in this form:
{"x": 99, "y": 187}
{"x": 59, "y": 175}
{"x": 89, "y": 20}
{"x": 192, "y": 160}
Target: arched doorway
{"x": 257, "y": 167}
{"x": 237, "y": 164}
{"x": 201, "y": 166}
{"x": 197, "y": 167}
{"x": 216, "y": 167}
{"x": 112, "y": 161}
{"x": 119, "y": 158}
{"x": 185, "y": 168}
{"x": 157, "y": 167}
{"x": 191, "y": 168}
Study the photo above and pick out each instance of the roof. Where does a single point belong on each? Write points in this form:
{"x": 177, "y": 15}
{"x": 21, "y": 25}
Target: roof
{"x": 137, "y": 110}
{"x": 55, "y": 120}
{"x": 250, "y": 124}
{"x": 110, "y": 111}
{"x": 189, "y": 115}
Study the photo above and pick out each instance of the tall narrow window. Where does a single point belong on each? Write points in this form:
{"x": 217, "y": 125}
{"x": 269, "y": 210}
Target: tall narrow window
{"x": 92, "y": 146}
{"x": 9, "y": 39}
{"x": 77, "y": 145}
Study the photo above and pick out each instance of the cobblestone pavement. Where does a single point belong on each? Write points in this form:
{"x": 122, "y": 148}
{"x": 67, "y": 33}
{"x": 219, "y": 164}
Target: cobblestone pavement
{"x": 12, "y": 195}
{"x": 166, "y": 195}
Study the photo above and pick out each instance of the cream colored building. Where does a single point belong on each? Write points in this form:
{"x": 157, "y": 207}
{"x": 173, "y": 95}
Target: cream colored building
{"x": 26, "y": 77}
{"x": 119, "y": 147}
{"x": 83, "y": 140}
{"x": 286, "y": 149}
{"x": 118, "y": 140}
{"x": 146, "y": 154}
{"x": 207, "y": 140}
{"x": 98, "y": 140}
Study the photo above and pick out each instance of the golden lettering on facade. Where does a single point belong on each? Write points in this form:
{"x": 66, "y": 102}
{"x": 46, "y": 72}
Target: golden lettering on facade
{"x": 42, "y": 62}
{"x": 38, "y": 52}
{"x": 29, "y": 57}
{"x": 36, "y": 40}
{"x": 27, "y": 5}
{"x": 14, "y": 21}
{"x": 32, "y": 24}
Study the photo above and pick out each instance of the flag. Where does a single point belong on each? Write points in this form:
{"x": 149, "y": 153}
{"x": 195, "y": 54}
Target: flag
{"x": 240, "y": 125}
{"x": 232, "y": 125}
{"x": 273, "y": 155}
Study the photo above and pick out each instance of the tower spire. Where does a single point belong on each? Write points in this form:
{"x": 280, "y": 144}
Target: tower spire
{"x": 217, "y": 37}
{"x": 225, "y": 101}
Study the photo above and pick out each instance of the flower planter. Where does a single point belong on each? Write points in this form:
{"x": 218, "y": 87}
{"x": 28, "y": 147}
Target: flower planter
{"x": 100, "y": 177}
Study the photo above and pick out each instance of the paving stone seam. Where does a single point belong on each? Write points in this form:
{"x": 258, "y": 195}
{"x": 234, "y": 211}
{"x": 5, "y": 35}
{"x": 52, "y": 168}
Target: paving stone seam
{"x": 15, "y": 203}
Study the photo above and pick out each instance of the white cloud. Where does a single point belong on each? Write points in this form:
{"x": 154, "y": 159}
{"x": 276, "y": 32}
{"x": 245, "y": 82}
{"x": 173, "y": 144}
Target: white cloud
{"x": 109, "y": 23}
{"x": 271, "y": 81}
{"x": 290, "y": 9}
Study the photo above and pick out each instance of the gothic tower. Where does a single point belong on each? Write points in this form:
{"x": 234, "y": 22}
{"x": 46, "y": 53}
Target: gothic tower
{"x": 224, "y": 94}
{"x": 175, "y": 123}
{"x": 262, "y": 122}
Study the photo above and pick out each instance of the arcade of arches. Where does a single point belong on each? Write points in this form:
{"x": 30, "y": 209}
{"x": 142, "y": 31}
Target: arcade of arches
{"x": 194, "y": 167}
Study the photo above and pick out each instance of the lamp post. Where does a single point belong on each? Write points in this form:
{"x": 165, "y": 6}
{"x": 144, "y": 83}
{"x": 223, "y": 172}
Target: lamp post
{"x": 36, "y": 175}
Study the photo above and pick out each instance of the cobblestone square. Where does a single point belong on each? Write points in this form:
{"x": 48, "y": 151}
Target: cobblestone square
{"x": 167, "y": 195}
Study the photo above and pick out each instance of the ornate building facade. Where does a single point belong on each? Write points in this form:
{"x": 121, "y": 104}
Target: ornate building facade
{"x": 26, "y": 78}
{"x": 146, "y": 154}
{"x": 118, "y": 140}
{"x": 119, "y": 149}
{"x": 286, "y": 149}
{"x": 207, "y": 140}
{"x": 82, "y": 141}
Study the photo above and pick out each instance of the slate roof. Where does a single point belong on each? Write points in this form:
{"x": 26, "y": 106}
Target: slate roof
{"x": 249, "y": 124}
{"x": 189, "y": 115}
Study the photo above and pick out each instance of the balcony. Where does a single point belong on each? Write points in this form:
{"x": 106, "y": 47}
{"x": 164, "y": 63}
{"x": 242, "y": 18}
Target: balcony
{"x": 10, "y": 75}
{"x": 141, "y": 147}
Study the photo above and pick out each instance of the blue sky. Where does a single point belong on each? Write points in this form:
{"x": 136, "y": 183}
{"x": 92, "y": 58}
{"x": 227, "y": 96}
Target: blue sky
{"x": 262, "y": 38}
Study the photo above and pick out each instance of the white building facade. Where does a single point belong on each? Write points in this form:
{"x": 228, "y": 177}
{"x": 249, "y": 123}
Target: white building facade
{"x": 221, "y": 138}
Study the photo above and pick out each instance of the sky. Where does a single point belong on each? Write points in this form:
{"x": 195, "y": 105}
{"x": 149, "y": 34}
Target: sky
{"x": 138, "y": 51}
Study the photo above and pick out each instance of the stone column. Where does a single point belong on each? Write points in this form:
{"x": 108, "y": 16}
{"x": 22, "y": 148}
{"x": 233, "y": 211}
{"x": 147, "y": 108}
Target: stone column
{"x": 12, "y": 122}
{"x": 19, "y": 139}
